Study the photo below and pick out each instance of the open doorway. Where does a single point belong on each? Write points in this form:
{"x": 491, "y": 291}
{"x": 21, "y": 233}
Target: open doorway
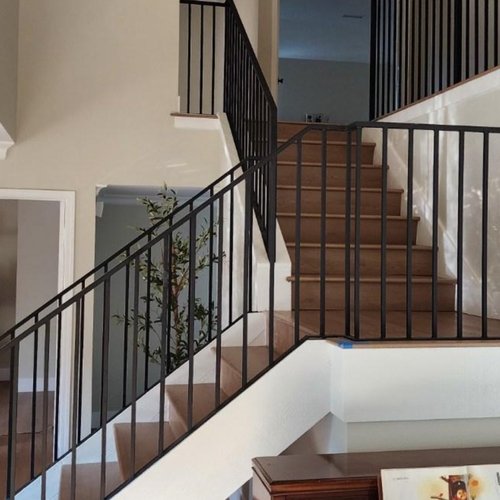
{"x": 324, "y": 60}
{"x": 34, "y": 266}
{"x": 37, "y": 250}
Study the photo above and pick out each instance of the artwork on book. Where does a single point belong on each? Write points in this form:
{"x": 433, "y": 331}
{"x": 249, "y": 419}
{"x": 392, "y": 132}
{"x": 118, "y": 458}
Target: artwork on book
{"x": 473, "y": 482}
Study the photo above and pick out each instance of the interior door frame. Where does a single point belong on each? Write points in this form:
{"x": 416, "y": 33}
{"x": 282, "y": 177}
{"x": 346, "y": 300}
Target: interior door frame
{"x": 65, "y": 277}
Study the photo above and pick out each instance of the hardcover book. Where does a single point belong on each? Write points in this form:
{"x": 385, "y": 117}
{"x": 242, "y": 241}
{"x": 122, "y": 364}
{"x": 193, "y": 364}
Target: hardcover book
{"x": 473, "y": 482}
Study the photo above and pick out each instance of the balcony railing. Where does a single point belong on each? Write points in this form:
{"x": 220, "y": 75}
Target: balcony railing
{"x": 420, "y": 47}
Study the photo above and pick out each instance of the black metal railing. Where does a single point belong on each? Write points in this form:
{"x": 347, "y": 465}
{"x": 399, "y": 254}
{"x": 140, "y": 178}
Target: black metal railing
{"x": 420, "y": 47}
{"x": 158, "y": 304}
{"x": 402, "y": 277}
{"x": 220, "y": 73}
{"x": 201, "y": 56}
{"x": 373, "y": 278}
{"x": 252, "y": 115}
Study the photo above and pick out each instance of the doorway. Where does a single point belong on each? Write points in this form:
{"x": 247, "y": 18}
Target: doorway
{"x": 37, "y": 227}
{"x": 324, "y": 60}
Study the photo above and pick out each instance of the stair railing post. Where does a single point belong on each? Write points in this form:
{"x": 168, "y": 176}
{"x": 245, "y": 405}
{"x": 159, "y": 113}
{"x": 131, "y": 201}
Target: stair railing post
{"x": 272, "y": 194}
{"x": 373, "y": 57}
{"x": 457, "y": 67}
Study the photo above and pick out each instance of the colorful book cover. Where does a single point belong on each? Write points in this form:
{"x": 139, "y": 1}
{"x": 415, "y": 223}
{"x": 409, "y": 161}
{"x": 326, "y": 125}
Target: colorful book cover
{"x": 474, "y": 482}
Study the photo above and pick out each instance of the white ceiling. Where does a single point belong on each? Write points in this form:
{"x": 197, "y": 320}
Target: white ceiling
{"x": 316, "y": 29}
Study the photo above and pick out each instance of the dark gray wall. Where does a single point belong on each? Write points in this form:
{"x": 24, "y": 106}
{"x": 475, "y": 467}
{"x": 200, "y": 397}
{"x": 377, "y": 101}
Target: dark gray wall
{"x": 120, "y": 214}
{"x": 337, "y": 89}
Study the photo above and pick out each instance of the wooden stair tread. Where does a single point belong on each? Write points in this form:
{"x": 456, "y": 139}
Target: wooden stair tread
{"x": 203, "y": 399}
{"x": 306, "y": 278}
{"x": 88, "y": 480}
{"x": 330, "y": 143}
{"x": 363, "y": 246}
{"x": 339, "y": 189}
{"x": 308, "y": 163}
{"x": 146, "y": 448}
{"x": 258, "y": 359}
{"x": 23, "y": 457}
{"x": 396, "y": 325}
{"x": 342, "y": 216}
{"x": 24, "y": 410}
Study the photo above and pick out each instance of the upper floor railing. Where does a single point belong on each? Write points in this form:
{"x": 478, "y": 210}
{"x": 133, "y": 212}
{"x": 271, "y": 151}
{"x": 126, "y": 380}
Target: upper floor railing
{"x": 219, "y": 72}
{"x": 420, "y": 47}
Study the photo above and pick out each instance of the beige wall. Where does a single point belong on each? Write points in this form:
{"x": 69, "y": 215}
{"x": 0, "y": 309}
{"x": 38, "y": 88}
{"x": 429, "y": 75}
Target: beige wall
{"x": 249, "y": 13}
{"x": 268, "y": 47}
{"x": 97, "y": 84}
{"x": 8, "y": 264}
{"x": 8, "y": 65}
{"x": 37, "y": 271}
{"x": 37, "y": 254}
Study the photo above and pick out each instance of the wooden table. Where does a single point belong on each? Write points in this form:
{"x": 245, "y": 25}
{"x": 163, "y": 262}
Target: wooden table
{"x": 349, "y": 476}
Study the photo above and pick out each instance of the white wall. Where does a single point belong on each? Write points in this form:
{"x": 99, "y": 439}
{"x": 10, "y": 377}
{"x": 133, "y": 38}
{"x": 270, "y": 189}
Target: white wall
{"x": 337, "y": 89}
{"x": 9, "y": 10}
{"x": 216, "y": 460}
{"x": 8, "y": 268}
{"x": 476, "y": 102}
{"x": 358, "y": 399}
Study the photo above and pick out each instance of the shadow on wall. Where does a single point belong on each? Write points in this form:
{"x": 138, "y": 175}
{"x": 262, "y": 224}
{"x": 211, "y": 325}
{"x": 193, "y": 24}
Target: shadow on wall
{"x": 448, "y": 204}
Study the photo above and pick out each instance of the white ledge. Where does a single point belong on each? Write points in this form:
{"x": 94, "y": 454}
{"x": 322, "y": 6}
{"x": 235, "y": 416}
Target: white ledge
{"x": 4, "y": 147}
{"x": 196, "y": 122}
{"x": 6, "y": 142}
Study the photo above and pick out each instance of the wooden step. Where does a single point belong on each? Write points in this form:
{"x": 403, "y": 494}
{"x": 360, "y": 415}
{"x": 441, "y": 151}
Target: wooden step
{"x": 370, "y": 259}
{"x": 88, "y": 481}
{"x": 23, "y": 458}
{"x": 370, "y": 289}
{"x": 231, "y": 366}
{"x": 146, "y": 447}
{"x": 284, "y": 331}
{"x": 395, "y": 324}
{"x": 288, "y": 129}
{"x": 25, "y": 410}
{"x": 203, "y": 404}
{"x": 336, "y": 152}
{"x": 311, "y": 175}
{"x": 371, "y": 200}
{"x": 335, "y": 228}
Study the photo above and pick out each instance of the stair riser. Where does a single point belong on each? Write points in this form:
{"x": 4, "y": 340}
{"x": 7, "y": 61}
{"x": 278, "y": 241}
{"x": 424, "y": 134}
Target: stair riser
{"x": 370, "y": 296}
{"x": 177, "y": 419}
{"x": 336, "y": 153}
{"x": 335, "y": 230}
{"x": 284, "y": 337}
{"x": 335, "y": 202}
{"x": 230, "y": 379}
{"x": 371, "y": 177}
{"x": 370, "y": 260}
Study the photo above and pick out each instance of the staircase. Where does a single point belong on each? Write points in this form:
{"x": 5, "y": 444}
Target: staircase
{"x": 30, "y": 435}
{"x": 337, "y": 290}
{"x": 308, "y": 275}
{"x": 175, "y": 428}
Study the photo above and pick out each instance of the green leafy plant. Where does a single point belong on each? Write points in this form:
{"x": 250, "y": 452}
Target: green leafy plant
{"x": 151, "y": 269}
